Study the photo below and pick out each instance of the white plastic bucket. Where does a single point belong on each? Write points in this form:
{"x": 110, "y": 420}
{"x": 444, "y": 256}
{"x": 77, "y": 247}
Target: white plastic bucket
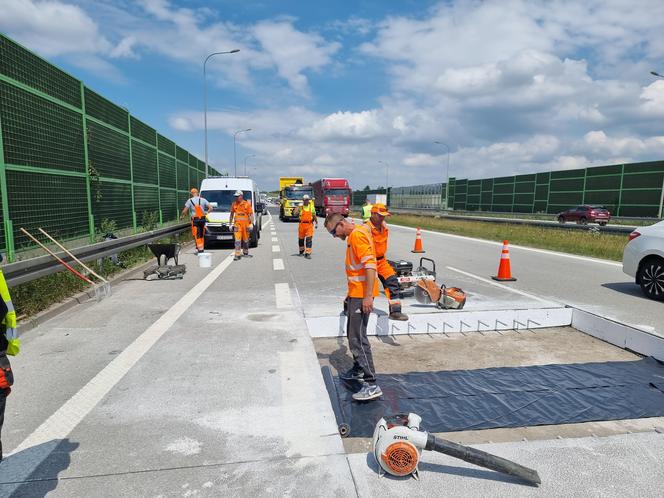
{"x": 204, "y": 259}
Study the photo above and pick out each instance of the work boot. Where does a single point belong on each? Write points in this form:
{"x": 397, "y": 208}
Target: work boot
{"x": 354, "y": 373}
{"x": 368, "y": 392}
{"x": 301, "y": 253}
{"x": 236, "y": 257}
{"x": 398, "y": 315}
{"x": 307, "y": 256}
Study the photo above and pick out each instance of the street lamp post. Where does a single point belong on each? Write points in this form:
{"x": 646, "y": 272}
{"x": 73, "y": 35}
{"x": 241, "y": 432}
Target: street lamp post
{"x": 235, "y": 149}
{"x": 447, "y": 181}
{"x": 234, "y": 51}
{"x": 387, "y": 175}
{"x": 245, "y": 162}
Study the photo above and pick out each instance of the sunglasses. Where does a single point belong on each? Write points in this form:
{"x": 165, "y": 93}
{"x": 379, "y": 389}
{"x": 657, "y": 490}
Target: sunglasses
{"x": 333, "y": 232}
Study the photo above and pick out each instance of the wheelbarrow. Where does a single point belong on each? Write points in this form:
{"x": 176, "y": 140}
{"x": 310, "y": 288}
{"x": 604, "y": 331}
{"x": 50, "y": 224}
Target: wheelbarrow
{"x": 164, "y": 271}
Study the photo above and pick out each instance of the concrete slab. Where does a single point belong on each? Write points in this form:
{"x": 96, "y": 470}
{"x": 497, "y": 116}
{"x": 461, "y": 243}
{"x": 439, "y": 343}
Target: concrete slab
{"x": 626, "y": 465}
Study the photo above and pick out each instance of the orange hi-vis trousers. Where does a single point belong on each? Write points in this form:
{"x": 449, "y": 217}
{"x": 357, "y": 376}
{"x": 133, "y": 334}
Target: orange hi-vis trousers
{"x": 388, "y": 278}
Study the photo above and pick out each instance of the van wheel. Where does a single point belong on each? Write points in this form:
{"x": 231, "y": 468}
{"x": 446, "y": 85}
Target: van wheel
{"x": 561, "y": 219}
{"x": 651, "y": 278}
{"x": 583, "y": 221}
{"x": 253, "y": 238}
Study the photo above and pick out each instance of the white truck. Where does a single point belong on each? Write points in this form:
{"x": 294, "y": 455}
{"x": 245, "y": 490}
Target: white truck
{"x": 220, "y": 192}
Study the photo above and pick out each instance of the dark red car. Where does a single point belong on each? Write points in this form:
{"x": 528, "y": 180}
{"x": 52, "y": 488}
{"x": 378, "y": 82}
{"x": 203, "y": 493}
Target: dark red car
{"x": 586, "y": 214}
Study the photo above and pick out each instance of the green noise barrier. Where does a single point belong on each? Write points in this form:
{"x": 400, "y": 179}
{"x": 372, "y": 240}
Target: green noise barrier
{"x": 75, "y": 163}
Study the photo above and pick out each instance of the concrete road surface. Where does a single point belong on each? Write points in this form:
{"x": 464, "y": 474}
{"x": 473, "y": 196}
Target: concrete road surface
{"x": 210, "y": 386}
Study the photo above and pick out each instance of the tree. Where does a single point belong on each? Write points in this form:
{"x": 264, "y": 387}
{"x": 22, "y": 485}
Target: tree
{"x": 366, "y": 188}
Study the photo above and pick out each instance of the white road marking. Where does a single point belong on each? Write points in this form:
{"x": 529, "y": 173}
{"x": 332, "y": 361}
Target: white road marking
{"x": 274, "y": 239}
{"x": 275, "y": 248}
{"x": 506, "y": 287}
{"x": 59, "y": 425}
{"x": 521, "y": 248}
{"x": 278, "y": 264}
{"x": 283, "y": 296}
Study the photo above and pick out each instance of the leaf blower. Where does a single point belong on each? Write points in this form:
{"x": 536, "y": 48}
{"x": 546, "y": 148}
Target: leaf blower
{"x": 398, "y": 444}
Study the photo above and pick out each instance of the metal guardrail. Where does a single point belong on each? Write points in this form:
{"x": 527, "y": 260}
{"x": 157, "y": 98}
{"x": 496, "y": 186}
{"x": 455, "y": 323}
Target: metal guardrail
{"x": 519, "y": 221}
{"x": 30, "y": 269}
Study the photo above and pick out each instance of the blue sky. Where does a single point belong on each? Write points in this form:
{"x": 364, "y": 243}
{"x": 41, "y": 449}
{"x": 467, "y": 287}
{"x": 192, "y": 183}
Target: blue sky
{"x": 331, "y": 88}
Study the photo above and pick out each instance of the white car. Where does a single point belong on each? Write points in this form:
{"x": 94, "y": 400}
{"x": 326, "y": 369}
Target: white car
{"x": 643, "y": 259}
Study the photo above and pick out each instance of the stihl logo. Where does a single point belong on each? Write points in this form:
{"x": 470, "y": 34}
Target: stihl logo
{"x": 401, "y": 437}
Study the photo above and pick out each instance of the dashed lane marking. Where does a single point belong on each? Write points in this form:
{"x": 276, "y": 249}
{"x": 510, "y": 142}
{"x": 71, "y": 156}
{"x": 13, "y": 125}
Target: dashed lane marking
{"x": 278, "y": 264}
{"x": 496, "y": 284}
{"x": 514, "y": 246}
{"x": 276, "y": 248}
{"x": 274, "y": 239}
{"x": 283, "y": 296}
{"x": 59, "y": 425}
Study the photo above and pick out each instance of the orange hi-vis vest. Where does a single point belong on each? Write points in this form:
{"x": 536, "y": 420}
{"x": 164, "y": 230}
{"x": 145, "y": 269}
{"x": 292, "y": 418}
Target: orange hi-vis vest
{"x": 379, "y": 239}
{"x": 360, "y": 256}
{"x": 307, "y": 213}
{"x": 242, "y": 212}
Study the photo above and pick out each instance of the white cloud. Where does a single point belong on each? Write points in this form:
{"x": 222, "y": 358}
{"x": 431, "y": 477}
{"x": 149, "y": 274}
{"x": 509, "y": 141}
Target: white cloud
{"x": 52, "y": 27}
{"x": 293, "y": 52}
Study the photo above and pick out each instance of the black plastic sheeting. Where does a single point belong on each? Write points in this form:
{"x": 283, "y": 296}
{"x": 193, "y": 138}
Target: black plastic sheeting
{"x": 510, "y": 397}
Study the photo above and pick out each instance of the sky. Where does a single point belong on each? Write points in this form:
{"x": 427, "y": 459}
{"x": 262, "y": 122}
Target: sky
{"x": 363, "y": 89}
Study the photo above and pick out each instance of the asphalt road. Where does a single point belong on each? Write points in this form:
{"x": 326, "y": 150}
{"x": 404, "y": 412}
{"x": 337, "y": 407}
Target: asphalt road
{"x": 210, "y": 386}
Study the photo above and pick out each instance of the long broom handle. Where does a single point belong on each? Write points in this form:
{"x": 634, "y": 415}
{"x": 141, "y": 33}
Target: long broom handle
{"x": 72, "y": 256}
{"x": 60, "y": 260}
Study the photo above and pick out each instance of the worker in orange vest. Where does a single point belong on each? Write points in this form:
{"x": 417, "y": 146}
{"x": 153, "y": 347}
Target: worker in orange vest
{"x": 241, "y": 221}
{"x": 198, "y": 208}
{"x": 305, "y": 231}
{"x": 362, "y": 288}
{"x": 386, "y": 274}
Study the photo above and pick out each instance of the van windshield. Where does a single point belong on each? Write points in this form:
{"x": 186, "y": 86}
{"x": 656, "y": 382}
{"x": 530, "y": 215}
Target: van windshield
{"x": 223, "y": 198}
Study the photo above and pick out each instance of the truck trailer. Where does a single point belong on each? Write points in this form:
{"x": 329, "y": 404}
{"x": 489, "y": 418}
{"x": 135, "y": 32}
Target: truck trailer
{"x": 332, "y": 195}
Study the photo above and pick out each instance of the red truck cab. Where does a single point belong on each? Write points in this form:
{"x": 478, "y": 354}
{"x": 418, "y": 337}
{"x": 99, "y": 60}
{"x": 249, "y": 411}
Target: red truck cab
{"x": 332, "y": 195}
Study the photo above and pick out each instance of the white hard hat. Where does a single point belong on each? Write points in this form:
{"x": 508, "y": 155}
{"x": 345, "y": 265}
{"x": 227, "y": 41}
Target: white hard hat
{"x": 238, "y": 192}
{"x": 306, "y": 197}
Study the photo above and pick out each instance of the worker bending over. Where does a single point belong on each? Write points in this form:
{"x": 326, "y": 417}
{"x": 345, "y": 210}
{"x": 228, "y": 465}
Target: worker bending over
{"x": 198, "y": 208}
{"x": 362, "y": 288}
{"x": 241, "y": 221}
{"x": 305, "y": 231}
{"x": 386, "y": 274}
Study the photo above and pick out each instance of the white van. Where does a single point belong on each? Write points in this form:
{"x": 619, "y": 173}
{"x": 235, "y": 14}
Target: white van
{"x": 220, "y": 192}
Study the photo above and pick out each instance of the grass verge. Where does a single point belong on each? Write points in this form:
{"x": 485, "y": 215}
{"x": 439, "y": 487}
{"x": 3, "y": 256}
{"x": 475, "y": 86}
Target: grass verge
{"x": 35, "y": 296}
{"x": 584, "y": 243}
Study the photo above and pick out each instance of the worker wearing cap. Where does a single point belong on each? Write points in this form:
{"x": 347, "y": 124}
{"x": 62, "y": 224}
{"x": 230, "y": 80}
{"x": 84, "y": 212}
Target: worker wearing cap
{"x": 305, "y": 232}
{"x": 9, "y": 345}
{"x": 366, "y": 210}
{"x": 198, "y": 208}
{"x": 362, "y": 288}
{"x": 241, "y": 221}
{"x": 386, "y": 274}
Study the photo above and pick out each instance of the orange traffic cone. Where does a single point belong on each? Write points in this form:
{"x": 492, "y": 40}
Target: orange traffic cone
{"x": 418, "y": 242}
{"x": 504, "y": 270}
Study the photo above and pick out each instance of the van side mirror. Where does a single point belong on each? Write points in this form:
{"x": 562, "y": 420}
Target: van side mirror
{"x": 259, "y": 207}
